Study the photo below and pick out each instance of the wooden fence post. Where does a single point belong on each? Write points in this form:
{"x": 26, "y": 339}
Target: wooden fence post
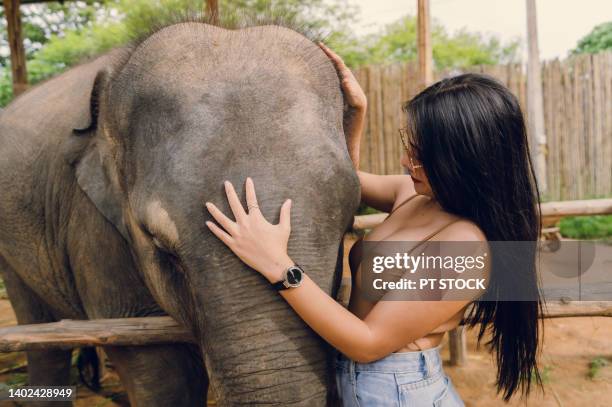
{"x": 535, "y": 104}
{"x": 424, "y": 45}
{"x": 458, "y": 346}
{"x": 212, "y": 9}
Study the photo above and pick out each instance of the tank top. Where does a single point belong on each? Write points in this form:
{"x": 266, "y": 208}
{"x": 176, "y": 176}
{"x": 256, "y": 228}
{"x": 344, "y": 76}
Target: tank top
{"x": 356, "y": 252}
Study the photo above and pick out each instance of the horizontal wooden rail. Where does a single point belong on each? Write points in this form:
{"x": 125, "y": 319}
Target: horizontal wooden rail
{"x": 577, "y": 208}
{"x": 363, "y": 222}
{"x": 68, "y": 334}
{"x": 559, "y": 309}
{"x": 551, "y": 212}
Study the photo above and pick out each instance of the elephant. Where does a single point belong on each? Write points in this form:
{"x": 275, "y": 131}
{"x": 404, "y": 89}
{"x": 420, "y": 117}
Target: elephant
{"x": 104, "y": 170}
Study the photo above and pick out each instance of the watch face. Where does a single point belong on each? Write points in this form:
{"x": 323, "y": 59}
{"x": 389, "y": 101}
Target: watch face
{"x": 294, "y": 276}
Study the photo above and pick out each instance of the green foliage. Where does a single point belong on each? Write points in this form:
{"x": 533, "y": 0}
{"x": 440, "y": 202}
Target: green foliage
{"x": 545, "y": 375}
{"x": 599, "y": 39}
{"x": 587, "y": 227}
{"x": 59, "y": 36}
{"x": 466, "y": 49}
{"x": 397, "y": 42}
{"x": 17, "y": 380}
{"x": 40, "y": 25}
{"x": 41, "y": 22}
{"x": 366, "y": 210}
{"x": 6, "y": 87}
{"x": 3, "y": 294}
{"x": 61, "y": 52}
{"x": 595, "y": 367}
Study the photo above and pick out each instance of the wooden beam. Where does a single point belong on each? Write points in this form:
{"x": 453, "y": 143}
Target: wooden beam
{"x": 457, "y": 342}
{"x": 559, "y": 309}
{"x": 15, "y": 39}
{"x": 551, "y": 212}
{"x": 424, "y": 49}
{"x": 68, "y": 334}
{"x": 577, "y": 208}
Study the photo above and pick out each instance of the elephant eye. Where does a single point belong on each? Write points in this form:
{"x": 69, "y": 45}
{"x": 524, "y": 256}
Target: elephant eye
{"x": 168, "y": 260}
{"x": 159, "y": 241}
{"x": 163, "y": 245}
{"x": 165, "y": 253}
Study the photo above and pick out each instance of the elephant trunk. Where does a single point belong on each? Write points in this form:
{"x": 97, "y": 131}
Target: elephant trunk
{"x": 257, "y": 349}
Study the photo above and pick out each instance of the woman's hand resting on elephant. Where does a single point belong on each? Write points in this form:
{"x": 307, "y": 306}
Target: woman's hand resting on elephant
{"x": 355, "y": 96}
{"x": 258, "y": 243}
{"x": 356, "y": 99}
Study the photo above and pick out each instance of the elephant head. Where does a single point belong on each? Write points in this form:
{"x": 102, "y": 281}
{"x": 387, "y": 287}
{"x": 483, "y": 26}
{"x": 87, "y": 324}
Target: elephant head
{"x": 183, "y": 110}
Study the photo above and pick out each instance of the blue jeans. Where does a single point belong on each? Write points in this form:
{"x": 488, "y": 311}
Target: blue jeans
{"x": 403, "y": 379}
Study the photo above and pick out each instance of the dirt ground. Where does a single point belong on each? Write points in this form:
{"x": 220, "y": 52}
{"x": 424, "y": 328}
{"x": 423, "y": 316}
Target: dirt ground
{"x": 576, "y": 365}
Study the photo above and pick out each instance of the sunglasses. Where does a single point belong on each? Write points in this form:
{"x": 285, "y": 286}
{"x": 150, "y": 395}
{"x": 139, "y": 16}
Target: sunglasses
{"x": 404, "y": 137}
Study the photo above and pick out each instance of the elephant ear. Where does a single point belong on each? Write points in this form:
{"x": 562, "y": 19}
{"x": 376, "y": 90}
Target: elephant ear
{"x": 88, "y": 151}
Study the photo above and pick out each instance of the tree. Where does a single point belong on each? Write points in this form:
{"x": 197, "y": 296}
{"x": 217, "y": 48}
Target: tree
{"x": 397, "y": 43}
{"x": 128, "y": 19}
{"x": 59, "y": 36}
{"x": 599, "y": 39}
{"x": 40, "y": 23}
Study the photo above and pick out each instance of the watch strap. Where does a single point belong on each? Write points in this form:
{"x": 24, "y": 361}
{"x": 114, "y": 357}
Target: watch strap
{"x": 280, "y": 285}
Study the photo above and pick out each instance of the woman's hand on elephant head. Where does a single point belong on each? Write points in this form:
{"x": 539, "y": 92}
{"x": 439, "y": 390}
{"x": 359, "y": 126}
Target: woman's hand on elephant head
{"x": 354, "y": 94}
{"x": 258, "y": 243}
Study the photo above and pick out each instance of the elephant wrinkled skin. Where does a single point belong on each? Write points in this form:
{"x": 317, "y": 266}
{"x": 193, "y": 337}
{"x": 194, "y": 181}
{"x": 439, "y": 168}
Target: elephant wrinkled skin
{"x": 107, "y": 221}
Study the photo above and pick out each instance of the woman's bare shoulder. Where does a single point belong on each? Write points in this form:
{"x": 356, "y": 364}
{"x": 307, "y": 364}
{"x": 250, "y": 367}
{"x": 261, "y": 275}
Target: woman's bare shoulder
{"x": 405, "y": 191}
{"x": 462, "y": 230}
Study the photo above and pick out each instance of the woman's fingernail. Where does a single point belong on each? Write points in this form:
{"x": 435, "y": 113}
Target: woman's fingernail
{"x": 208, "y": 223}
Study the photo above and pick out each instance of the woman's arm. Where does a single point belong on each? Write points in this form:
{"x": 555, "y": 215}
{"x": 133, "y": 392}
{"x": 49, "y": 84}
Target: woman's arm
{"x": 357, "y": 102}
{"x": 378, "y": 191}
{"x": 263, "y": 246}
{"x": 389, "y": 326}
{"x": 383, "y": 191}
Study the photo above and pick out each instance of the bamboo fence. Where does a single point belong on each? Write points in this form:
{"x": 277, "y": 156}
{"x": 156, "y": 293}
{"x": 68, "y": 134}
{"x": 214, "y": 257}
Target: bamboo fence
{"x": 577, "y": 95}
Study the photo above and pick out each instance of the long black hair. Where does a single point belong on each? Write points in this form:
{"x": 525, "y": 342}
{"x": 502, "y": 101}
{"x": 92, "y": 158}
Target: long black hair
{"x": 469, "y": 134}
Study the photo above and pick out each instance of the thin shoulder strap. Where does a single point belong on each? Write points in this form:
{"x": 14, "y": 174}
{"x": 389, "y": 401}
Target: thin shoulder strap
{"x": 401, "y": 204}
{"x": 440, "y": 230}
{"x": 429, "y": 236}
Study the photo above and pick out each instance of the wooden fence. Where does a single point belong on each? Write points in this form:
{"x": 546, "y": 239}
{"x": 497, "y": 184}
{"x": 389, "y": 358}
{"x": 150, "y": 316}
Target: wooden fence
{"x": 577, "y": 109}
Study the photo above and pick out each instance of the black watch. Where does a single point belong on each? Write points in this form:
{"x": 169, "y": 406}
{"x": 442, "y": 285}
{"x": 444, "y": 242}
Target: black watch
{"x": 292, "y": 278}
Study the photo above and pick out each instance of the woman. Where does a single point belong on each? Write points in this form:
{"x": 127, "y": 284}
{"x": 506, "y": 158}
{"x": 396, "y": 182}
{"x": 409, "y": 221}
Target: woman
{"x": 470, "y": 179}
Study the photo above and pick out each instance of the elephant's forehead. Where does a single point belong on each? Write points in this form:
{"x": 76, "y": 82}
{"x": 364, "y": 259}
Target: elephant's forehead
{"x": 190, "y": 54}
{"x": 160, "y": 222}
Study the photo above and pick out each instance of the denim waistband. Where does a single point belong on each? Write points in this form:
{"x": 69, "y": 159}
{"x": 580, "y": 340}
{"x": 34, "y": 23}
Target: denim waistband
{"x": 427, "y": 361}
